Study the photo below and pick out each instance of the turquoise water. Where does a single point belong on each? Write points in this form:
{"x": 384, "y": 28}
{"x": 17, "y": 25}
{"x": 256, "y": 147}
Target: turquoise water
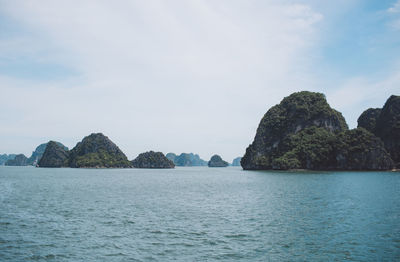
{"x": 197, "y": 214}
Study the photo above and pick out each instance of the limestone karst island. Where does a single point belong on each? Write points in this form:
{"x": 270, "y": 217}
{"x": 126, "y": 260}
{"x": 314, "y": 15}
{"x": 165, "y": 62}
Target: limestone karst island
{"x": 301, "y": 132}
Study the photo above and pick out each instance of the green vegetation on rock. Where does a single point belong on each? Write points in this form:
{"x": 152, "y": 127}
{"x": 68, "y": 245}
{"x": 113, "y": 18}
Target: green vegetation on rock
{"x": 152, "y": 159}
{"x": 97, "y": 151}
{"x": 216, "y": 161}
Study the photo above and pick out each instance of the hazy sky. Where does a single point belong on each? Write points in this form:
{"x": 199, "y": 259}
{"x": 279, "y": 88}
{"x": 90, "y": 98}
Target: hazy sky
{"x": 185, "y": 76}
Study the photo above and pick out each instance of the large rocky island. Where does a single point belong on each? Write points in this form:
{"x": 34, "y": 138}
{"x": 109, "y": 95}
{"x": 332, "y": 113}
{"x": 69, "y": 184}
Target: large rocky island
{"x": 152, "y": 159}
{"x": 304, "y": 132}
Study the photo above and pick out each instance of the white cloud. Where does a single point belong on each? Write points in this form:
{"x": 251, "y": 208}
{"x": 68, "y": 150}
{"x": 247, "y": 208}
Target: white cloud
{"x": 395, "y": 8}
{"x": 358, "y": 94}
{"x": 172, "y": 76}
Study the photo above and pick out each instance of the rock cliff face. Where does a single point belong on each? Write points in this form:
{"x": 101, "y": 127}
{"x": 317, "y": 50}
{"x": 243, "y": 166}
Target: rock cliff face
{"x": 388, "y": 127}
{"x": 216, "y": 161}
{"x": 38, "y": 153}
{"x": 152, "y": 159}
{"x": 295, "y": 113}
{"x": 236, "y": 161}
{"x": 385, "y": 124}
{"x": 54, "y": 155}
{"x": 303, "y": 132}
{"x": 19, "y": 160}
{"x": 368, "y": 119}
{"x": 97, "y": 150}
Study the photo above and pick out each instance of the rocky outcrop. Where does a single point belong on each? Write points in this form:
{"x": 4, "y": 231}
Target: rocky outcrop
{"x": 97, "y": 151}
{"x": 236, "y": 161}
{"x": 152, "y": 159}
{"x": 54, "y": 155}
{"x": 388, "y": 127}
{"x": 186, "y": 159}
{"x": 19, "y": 160}
{"x": 38, "y": 153}
{"x": 359, "y": 149}
{"x": 368, "y": 119}
{"x": 295, "y": 113}
{"x": 304, "y": 132}
{"x": 216, "y": 161}
{"x": 385, "y": 124}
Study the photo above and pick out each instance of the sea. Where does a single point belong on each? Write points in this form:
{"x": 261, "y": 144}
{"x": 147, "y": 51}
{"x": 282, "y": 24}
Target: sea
{"x": 198, "y": 214}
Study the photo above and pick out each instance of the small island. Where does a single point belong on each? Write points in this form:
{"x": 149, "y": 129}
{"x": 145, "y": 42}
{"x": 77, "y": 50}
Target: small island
{"x": 216, "y": 161}
{"x": 186, "y": 159}
{"x": 152, "y": 159}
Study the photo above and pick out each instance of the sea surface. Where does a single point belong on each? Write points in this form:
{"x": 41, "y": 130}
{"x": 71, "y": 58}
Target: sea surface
{"x": 198, "y": 214}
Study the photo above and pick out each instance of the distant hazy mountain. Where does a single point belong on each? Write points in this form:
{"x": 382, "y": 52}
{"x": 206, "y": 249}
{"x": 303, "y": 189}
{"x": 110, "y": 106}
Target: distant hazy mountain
{"x": 5, "y": 157}
{"x": 236, "y": 161}
{"x": 19, "y": 160}
{"x": 186, "y": 159}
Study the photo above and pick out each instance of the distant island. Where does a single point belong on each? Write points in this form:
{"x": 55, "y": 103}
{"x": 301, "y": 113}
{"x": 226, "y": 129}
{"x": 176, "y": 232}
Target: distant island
{"x": 304, "y": 132}
{"x": 22, "y": 160}
{"x": 236, "y": 161}
{"x": 186, "y": 159}
{"x": 217, "y": 161}
{"x": 152, "y": 159}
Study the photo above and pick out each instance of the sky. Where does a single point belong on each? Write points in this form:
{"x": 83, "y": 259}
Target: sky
{"x": 185, "y": 76}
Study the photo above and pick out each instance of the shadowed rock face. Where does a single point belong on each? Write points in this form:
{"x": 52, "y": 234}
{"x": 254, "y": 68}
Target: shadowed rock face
{"x": 39, "y": 151}
{"x": 19, "y": 160}
{"x": 388, "y": 127}
{"x": 97, "y": 150}
{"x": 54, "y": 155}
{"x": 385, "y": 124}
{"x": 152, "y": 159}
{"x": 216, "y": 161}
{"x": 368, "y": 119}
{"x": 295, "y": 113}
{"x": 303, "y": 132}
